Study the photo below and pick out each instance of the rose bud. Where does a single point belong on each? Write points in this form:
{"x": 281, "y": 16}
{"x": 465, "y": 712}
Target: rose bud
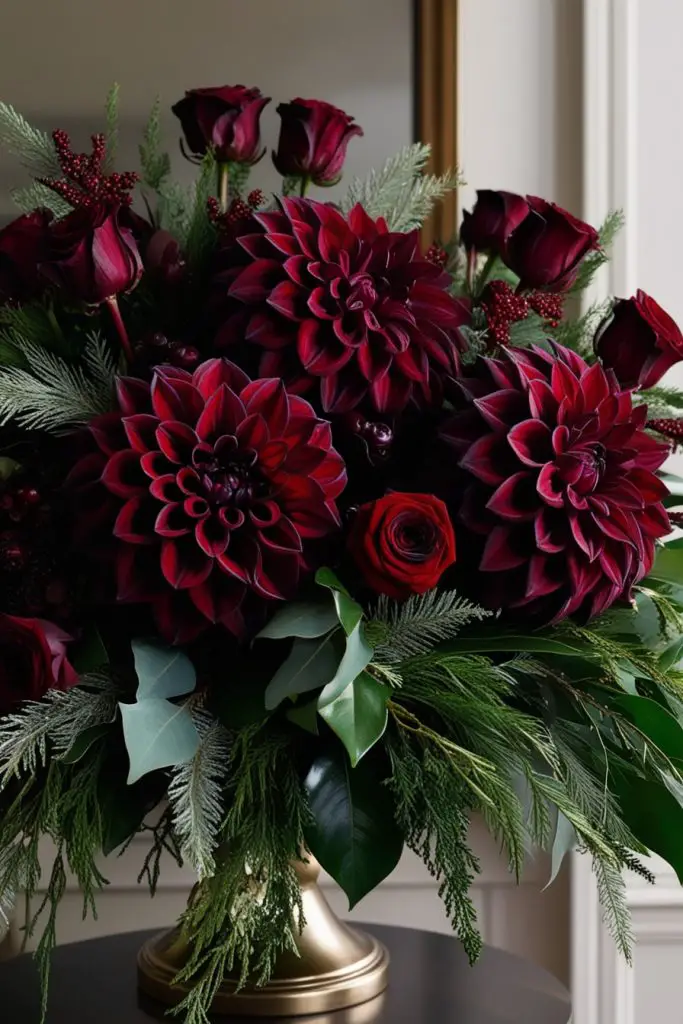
{"x": 493, "y": 219}
{"x": 92, "y": 256}
{"x": 225, "y": 118}
{"x": 32, "y": 660}
{"x": 164, "y": 259}
{"x": 402, "y": 543}
{"x": 546, "y": 249}
{"x": 313, "y": 140}
{"x": 23, "y": 246}
{"x": 640, "y": 342}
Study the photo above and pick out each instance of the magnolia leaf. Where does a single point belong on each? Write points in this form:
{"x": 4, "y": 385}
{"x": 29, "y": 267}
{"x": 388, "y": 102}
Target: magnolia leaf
{"x": 162, "y": 671}
{"x": 306, "y": 619}
{"x": 158, "y": 734}
{"x": 658, "y": 724}
{"x": 359, "y": 715}
{"x": 354, "y": 834}
{"x": 305, "y": 716}
{"x": 349, "y": 611}
{"x": 357, "y": 657}
{"x": 310, "y": 666}
{"x": 653, "y": 813}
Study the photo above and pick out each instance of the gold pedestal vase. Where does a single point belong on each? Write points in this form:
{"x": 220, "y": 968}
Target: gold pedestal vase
{"x": 337, "y": 966}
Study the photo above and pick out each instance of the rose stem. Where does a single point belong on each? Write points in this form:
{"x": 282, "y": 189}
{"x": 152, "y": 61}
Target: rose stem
{"x": 224, "y": 186}
{"x": 305, "y": 182}
{"x": 113, "y": 307}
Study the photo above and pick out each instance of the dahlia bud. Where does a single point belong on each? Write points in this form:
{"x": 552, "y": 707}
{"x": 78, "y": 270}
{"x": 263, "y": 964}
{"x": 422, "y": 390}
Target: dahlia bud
{"x": 185, "y": 356}
{"x": 378, "y": 438}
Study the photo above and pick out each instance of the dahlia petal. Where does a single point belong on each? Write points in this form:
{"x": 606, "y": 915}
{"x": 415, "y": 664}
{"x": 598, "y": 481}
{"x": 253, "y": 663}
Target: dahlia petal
{"x": 137, "y": 574}
{"x": 350, "y": 329}
{"x": 516, "y": 498}
{"x": 212, "y": 535}
{"x": 222, "y": 413}
{"x": 565, "y": 385}
{"x": 252, "y": 432}
{"x": 272, "y": 456}
{"x": 289, "y": 300}
{"x": 581, "y": 537}
{"x": 284, "y": 243}
{"x": 531, "y": 441}
{"x": 282, "y": 536}
{"x": 174, "y": 399}
{"x": 165, "y": 488}
{"x": 255, "y": 283}
{"x": 270, "y": 399}
{"x": 196, "y": 507}
{"x": 135, "y": 522}
{"x": 502, "y": 409}
{"x": 264, "y": 513}
{"x": 209, "y": 376}
{"x": 266, "y": 329}
{"x": 341, "y": 393}
{"x": 256, "y": 245}
{"x": 594, "y": 386}
{"x": 171, "y": 521}
{"x": 487, "y": 459}
{"x": 297, "y": 270}
{"x": 176, "y": 441}
{"x": 322, "y": 305}
{"x": 374, "y": 364}
{"x": 218, "y": 596}
{"x": 579, "y": 501}
{"x": 651, "y": 487}
{"x": 177, "y": 619}
{"x": 233, "y": 518}
{"x": 141, "y": 431}
{"x": 188, "y": 481}
{"x": 239, "y": 566}
{"x": 542, "y": 402}
{"x": 550, "y": 528}
{"x": 549, "y": 486}
{"x": 183, "y": 564}
{"x": 132, "y": 395}
{"x": 499, "y": 553}
{"x": 304, "y": 502}
{"x": 319, "y": 349}
{"x": 108, "y": 433}
{"x": 155, "y": 464}
{"x": 123, "y": 476}
{"x": 541, "y": 581}
{"x": 275, "y": 574}
{"x": 611, "y": 567}
{"x": 273, "y": 220}
{"x": 655, "y": 521}
{"x": 623, "y": 493}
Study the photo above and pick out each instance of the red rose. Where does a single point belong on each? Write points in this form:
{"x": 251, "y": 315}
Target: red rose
{"x": 32, "y": 660}
{"x": 493, "y": 219}
{"x": 547, "y": 247}
{"x": 640, "y": 343}
{"x": 23, "y": 246}
{"x": 402, "y": 543}
{"x": 313, "y": 140}
{"x": 92, "y": 255}
{"x": 227, "y": 118}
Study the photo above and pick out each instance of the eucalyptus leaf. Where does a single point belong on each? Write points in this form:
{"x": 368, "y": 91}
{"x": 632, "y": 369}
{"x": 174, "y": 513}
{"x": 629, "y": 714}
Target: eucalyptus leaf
{"x": 359, "y": 715}
{"x": 354, "y": 834}
{"x": 357, "y": 657}
{"x": 349, "y": 611}
{"x": 306, "y": 619}
{"x": 162, "y": 671}
{"x": 158, "y": 734}
{"x": 311, "y": 665}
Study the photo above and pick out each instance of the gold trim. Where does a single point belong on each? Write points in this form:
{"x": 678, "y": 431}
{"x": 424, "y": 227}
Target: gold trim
{"x": 436, "y": 84}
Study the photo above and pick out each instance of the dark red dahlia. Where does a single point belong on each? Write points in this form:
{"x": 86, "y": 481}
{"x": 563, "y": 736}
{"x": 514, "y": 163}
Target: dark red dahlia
{"x": 219, "y": 486}
{"x": 342, "y": 305}
{"x": 552, "y": 484}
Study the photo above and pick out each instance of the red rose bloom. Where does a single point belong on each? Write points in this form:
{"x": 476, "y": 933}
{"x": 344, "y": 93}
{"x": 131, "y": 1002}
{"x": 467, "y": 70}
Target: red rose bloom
{"x": 218, "y": 486}
{"x": 32, "y": 661}
{"x": 313, "y": 140}
{"x": 493, "y": 219}
{"x": 546, "y": 249}
{"x": 92, "y": 255}
{"x": 23, "y": 247}
{"x": 402, "y": 543}
{"x": 341, "y": 306}
{"x": 553, "y": 483}
{"x": 226, "y": 118}
{"x": 640, "y": 343}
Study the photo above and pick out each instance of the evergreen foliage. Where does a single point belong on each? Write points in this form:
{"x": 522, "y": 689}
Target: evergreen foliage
{"x": 111, "y": 109}
{"x": 32, "y": 147}
{"x": 155, "y": 163}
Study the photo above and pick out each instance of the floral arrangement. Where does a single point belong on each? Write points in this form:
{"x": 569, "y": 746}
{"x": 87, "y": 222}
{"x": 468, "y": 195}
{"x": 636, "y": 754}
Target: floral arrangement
{"x": 317, "y": 542}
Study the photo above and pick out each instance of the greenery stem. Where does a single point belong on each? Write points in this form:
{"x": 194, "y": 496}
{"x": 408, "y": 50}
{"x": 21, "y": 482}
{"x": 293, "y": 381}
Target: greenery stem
{"x": 483, "y": 276}
{"x": 224, "y": 186}
{"x": 54, "y": 323}
{"x": 303, "y": 187}
{"x": 113, "y": 307}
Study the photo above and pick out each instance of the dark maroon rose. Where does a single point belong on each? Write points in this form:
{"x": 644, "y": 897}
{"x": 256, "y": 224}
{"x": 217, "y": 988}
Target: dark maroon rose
{"x": 92, "y": 256}
{"x": 547, "y": 247}
{"x": 210, "y": 490}
{"x": 32, "y": 660}
{"x": 313, "y": 139}
{"x": 552, "y": 484}
{"x": 402, "y": 543}
{"x": 493, "y": 219}
{"x": 225, "y": 118}
{"x": 23, "y": 247}
{"x": 640, "y": 342}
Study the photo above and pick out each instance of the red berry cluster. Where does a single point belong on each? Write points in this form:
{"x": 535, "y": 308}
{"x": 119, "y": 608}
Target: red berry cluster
{"x": 238, "y": 213}
{"x": 671, "y": 428}
{"x": 84, "y": 182}
{"x": 503, "y": 307}
{"x": 549, "y": 306}
{"x": 155, "y": 349}
{"x": 437, "y": 254}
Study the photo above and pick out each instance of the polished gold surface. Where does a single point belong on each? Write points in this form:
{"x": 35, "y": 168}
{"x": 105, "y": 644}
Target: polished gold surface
{"x": 337, "y": 967}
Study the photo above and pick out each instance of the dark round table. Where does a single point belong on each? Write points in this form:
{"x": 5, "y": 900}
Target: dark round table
{"x": 430, "y": 983}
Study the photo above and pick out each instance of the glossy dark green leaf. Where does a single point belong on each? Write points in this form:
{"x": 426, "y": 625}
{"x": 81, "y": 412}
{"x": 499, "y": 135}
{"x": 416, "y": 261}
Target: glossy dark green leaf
{"x": 654, "y": 816}
{"x": 512, "y": 642}
{"x": 349, "y": 611}
{"x": 672, "y": 656}
{"x": 306, "y": 619}
{"x": 357, "y": 657}
{"x": 654, "y": 721}
{"x": 84, "y": 741}
{"x": 643, "y": 621}
{"x": 305, "y": 716}
{"x": 89, "y": 653}
{"x": 359, "y": 715}
{"x": 354, "y": 835}
{"x": 310, "y": 666}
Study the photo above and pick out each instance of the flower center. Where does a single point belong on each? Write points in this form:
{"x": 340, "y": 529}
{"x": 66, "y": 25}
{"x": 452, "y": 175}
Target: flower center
{"x": 413, "y": 538}
{"x": 228, "y": 477}
{"x": 584, "y": 467}
{"x": 362, "y": 294}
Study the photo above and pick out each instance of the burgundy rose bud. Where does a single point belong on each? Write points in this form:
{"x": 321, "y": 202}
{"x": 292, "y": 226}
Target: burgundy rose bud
{"x": 32, "y": 660}
{"x": 23, "y": 246}
{"x": 164, "y": 259}
{"x": 493, "y": 219}
{"x": 402, "y": 543}
{"x": 92, "y": 256}
{"x": 546, "y": 249}
{"x": 313, "y": 139}
{"x": 640, "y": 343}
{"x": 225, "y": 118}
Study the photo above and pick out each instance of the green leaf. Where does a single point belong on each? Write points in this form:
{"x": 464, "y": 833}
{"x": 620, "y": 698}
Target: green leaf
{"x": 671, "y": 656}
{"x": 653, "y": 814}
{"x": 359, "y": 715}
{"x": 357, "y": 657}
{"x": 354, "y": 834}
{"x": 305, "y": 716}
{"x": 158, "y": 734}
{"x": 514, "y": 642}
{"x": 310, "y": 666}
{"x": 675, "y": 485}
{"x": 645, "y": 621}
{"x": 162, "y": 671}
{"x": 306, "y": 619}
{"x": 564, "y": 841}
{"x": 124, "y": 808}
{"x": 89, "y": 653}
{"x": 84, "y": 741}
{"x": 654, "y": 721}
{"x": 349, "y": 611}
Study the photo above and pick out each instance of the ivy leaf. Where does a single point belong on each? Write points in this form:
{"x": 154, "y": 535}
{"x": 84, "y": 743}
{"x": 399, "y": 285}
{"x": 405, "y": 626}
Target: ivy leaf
{"x": 306, "y": 619}
{"x": 354, "y": 835}
{"x": 158, "y": 734}
{"x": 310, "y": 665}
{"x": 349, "y": 611}
{"x": 357, "y": 657}
{"x": 359, "y": 715}
{"x": 162, "y": 671}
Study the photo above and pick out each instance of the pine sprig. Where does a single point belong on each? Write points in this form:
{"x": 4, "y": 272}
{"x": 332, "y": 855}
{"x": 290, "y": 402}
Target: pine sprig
{"x": 37, "y": 195}
{"x": 155, "y": 163}
{"x": 111, "y": 109}
{"x": 201, "y": 233}
{"x": 663, "y": 402}
{"x": 607, "y": 233}
{"x": 403, "y": 630}
{"x": 32, "y": 147}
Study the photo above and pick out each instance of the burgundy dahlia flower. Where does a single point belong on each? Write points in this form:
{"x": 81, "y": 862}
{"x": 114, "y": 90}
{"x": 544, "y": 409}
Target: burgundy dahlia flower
{"x": 552, "y": 484}
{"x": 342, "y": 305}
{"x": 218, "y": 485}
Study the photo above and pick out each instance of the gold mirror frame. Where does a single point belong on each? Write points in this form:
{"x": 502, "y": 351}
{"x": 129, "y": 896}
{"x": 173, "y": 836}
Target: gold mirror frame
{"x": 436, "y": 113}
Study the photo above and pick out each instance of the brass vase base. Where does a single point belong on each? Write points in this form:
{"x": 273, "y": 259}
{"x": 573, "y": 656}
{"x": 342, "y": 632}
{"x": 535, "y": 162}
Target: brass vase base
{"x": 337, "y": 967}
